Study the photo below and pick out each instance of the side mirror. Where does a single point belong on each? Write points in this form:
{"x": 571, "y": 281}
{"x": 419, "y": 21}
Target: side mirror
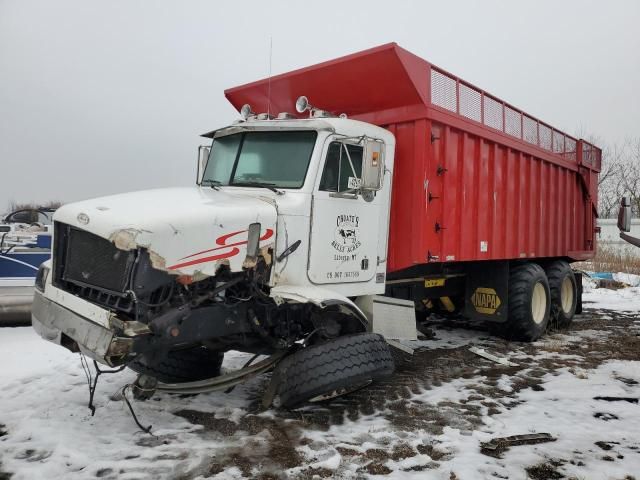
{"x": 624, "y": 215}
{"x": 203, "y": 156}
{"x": 372, "y": 165}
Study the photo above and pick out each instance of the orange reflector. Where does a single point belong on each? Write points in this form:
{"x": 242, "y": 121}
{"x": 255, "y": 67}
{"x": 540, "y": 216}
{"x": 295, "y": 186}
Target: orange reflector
{"x": 185, "y": 279}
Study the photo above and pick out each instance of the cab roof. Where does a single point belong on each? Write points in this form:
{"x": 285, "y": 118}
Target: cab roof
{"x": 344, "y": 126}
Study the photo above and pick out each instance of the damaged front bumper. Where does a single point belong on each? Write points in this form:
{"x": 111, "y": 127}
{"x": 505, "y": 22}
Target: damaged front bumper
{"x": 64, "y": 327}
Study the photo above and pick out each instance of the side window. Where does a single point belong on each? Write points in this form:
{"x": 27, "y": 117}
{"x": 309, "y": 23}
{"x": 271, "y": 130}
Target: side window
{"x": 342, "y": 167}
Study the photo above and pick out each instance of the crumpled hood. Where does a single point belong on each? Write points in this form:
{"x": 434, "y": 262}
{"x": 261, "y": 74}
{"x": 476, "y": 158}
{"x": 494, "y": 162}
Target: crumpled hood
{"x": 186, "y": 230}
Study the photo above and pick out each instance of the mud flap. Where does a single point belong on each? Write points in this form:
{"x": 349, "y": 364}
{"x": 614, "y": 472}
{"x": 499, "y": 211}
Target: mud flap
{"x": 487, "y": 291}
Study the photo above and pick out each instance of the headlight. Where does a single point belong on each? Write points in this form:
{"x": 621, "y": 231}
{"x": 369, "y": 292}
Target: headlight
{"x": 41, "y": 277}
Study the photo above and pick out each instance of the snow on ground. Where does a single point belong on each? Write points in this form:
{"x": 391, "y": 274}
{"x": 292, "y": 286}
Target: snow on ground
{"x": 426, "y": 422}
{"x": 565, "y": 409}
{"x": 622, "y": 300}
{"x": 628, "y": 278}
{"x": 51, "y": 434}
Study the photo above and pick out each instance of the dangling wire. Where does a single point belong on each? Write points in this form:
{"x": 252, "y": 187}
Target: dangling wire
{"x": 133, "y": 414}
{"x": 93, "y": 381}
{"x": 87, "y": 372}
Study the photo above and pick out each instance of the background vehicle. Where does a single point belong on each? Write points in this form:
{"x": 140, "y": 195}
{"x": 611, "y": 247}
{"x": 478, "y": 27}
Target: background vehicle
{"x": 624, "y": 222}
{"x": 409, "y": 182}
{"x": 25, "y": 243}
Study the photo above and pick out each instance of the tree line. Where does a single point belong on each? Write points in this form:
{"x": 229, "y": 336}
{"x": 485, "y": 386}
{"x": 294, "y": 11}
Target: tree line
{"x": 619, "y": 177}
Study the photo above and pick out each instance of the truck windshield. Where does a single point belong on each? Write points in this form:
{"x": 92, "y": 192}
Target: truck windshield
{"x": 275, "y": 159}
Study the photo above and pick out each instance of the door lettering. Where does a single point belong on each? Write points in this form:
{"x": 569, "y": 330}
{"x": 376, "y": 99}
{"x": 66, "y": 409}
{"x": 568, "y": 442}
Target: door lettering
{"x": 346, "y": 234}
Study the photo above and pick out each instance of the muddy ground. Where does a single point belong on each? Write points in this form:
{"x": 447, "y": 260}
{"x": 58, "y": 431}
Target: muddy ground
{"x": 394, "y": 427}
{"x": 289, "y": 430}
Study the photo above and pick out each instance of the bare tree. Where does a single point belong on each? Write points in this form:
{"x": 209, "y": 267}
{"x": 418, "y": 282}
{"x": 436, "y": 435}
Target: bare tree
{"x": 610, "y": 187}
{"x": 620, "y": 176}
{"x": 630, "y": 175}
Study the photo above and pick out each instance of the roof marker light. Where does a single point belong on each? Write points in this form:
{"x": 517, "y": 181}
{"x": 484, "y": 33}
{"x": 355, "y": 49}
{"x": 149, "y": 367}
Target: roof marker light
{"x": 246, "y": 111}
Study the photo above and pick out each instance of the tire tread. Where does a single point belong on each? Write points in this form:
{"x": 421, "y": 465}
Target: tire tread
{"x": 339, "y": 363}
{"x": 519, "y": 325}
{"x": 556, "y": 272}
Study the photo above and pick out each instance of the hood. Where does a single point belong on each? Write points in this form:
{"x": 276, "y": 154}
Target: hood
{"x": 188, "y": 231}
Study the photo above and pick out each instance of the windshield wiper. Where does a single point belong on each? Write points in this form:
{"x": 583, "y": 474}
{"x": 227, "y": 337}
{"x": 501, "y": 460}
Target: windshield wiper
{"x": 215, "y": 184}
{"x": 270, "y": 186}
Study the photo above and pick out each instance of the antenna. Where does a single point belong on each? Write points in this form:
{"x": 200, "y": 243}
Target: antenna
{"x": 269, "y": 87}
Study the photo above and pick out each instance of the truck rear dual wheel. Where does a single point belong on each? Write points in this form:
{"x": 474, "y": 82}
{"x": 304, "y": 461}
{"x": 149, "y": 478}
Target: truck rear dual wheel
{"x": 333, "y": 368}
{"x": 178, "y": 366}
{"x": 529, "y": 303}
{"x": 564, "y": 293}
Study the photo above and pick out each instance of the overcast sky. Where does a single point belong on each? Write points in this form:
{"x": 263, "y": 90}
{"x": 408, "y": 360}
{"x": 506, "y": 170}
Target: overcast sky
{"x": 105, "y": 97}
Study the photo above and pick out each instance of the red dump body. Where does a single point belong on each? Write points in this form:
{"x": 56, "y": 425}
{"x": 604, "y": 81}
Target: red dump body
{"x": 475, "y": 178}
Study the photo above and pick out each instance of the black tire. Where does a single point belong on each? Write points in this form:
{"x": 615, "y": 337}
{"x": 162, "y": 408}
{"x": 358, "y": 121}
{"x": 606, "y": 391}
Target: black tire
{"x": 178, "y": 366}
{"x": 335, "y": 367}
{"x": 564, "y": 293}
{"x": 522, "y": 323}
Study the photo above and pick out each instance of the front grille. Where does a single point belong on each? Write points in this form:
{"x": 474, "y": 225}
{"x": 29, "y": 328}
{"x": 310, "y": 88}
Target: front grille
{"x": 94, "y": 261}
{"x": 92, "y": 268}
{"x": 86, "y": 260}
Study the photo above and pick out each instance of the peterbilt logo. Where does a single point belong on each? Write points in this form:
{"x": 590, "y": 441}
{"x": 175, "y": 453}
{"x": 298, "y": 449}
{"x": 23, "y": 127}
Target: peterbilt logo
{"x": 83, "y": 218}
{"x": 346, "y": 234}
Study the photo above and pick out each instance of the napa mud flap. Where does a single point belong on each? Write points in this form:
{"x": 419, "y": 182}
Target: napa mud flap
{"x": 486, "y": 291}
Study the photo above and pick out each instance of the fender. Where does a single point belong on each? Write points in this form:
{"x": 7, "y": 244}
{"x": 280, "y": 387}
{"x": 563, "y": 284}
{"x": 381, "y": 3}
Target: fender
{"x": 318, "y": 296}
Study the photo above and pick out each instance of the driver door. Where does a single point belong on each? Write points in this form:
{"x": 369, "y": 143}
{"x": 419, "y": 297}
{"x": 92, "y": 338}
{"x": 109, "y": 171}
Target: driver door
{"x": 345, "y": 222}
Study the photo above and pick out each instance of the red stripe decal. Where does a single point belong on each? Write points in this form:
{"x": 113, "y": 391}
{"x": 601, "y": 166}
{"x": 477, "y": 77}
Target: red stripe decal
{"x": 234, "y": 251}
{"x": 220, "y": 241}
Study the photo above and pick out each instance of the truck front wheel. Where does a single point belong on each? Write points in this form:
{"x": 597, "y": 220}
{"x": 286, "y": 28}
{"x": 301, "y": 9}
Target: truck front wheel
{"x": 564, "y": 292}
{"x": 178, "y": 366}
{"x": 333, "y": 368}
{"x": 529, "y": 303}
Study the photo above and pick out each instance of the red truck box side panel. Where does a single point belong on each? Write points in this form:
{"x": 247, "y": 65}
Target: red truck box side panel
{"x": 475, "y": 178}
{"x": 488, "y": 202}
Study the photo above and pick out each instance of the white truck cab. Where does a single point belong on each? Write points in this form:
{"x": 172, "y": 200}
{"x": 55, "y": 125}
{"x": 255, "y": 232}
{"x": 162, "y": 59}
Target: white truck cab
{"x": 314, "y": 169}
{"x": 286, "y": 227}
